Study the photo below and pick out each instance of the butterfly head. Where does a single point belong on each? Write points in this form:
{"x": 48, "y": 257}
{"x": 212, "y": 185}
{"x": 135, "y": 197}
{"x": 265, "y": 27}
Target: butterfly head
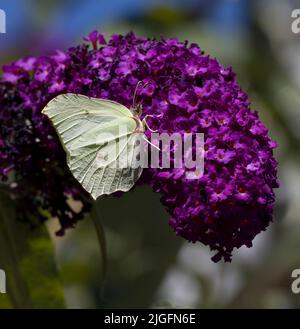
{"x": 138, "y": 110}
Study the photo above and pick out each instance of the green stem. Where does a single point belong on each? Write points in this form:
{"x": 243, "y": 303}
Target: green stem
{"x": 17, "y": 288}
{"x": 95, "y": 216}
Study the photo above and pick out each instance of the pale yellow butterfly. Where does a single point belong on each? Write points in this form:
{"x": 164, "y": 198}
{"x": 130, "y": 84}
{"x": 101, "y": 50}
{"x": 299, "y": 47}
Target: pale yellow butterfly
{"x": 89, "y": 130}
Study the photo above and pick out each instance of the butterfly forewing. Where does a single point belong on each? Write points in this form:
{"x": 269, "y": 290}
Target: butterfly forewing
{"x": 100, "y": 141}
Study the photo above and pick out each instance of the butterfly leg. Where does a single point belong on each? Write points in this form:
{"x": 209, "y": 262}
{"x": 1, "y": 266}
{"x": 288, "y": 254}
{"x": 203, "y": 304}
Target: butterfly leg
{"x": 145, "y": 138}
{"x": 146, "y": 124}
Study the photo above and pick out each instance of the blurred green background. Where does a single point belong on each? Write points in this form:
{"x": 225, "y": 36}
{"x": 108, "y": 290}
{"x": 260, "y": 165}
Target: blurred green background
{"x": 148, "y": 266}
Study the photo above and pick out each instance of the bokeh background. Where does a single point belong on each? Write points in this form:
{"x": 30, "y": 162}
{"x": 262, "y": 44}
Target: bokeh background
{"x": 148, "y": 266}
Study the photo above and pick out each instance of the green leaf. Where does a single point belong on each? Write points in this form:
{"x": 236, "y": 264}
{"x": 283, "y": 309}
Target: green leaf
{"x": 95, "y": 217}
{"x": 28, "y": 259}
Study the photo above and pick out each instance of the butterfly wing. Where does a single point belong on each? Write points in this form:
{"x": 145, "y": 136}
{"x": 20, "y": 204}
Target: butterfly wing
{"x": 99, "y": 139}
{"x": 120, "y": 175}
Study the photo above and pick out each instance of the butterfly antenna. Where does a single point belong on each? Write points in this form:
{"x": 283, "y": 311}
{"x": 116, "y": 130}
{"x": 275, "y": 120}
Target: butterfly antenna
{"x": 135, "y": 94}
{"x": 144, "y": 85}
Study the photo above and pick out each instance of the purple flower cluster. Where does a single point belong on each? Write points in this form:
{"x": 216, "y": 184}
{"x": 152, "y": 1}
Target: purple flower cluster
{"x": 187, "y": 91}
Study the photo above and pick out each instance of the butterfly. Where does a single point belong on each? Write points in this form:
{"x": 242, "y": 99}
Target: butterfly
{"x": 100, "y": 155}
